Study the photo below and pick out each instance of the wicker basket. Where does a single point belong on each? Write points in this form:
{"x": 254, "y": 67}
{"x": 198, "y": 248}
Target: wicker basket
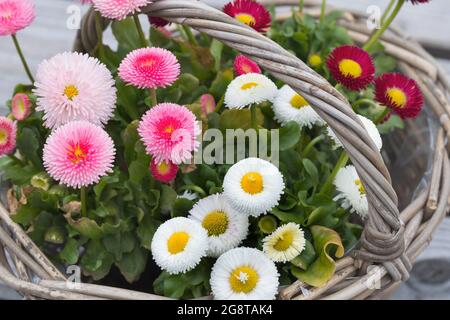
{"x": 391, "y": 240}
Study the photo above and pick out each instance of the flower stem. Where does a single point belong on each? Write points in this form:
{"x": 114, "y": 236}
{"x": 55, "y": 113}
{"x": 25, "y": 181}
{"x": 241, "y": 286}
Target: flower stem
{"x": 140, "y": 32}
{"x": 388, "y": 9}
{"x": 83, "y": 202}
{"x": 99, "y": 30}
{"x": 301, "y": 5}
{"x": 364, "y": 101}
{"x": 153, "y": 97}
{"x": 322, "y": 10}
{"x": 15, "y": 158}
{"x": 22, "y": 58}
{"x": 190, "y": 35}
{"x": 374, "y": 38}
{"x": 342, "y": 161}
{"x": 253, "y": 117}
{"x": 311, "y": 144}
{"x": 382, "y": 116}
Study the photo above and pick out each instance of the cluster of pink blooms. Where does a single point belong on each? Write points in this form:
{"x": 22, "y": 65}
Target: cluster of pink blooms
{"x": 8, "y": 131}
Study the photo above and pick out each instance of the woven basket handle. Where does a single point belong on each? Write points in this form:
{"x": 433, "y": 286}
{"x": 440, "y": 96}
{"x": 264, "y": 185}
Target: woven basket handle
{"x": 382, "y": 240}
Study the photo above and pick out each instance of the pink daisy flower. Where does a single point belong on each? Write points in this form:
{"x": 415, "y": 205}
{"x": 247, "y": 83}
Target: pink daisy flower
{"x": 118, "y": 9}
{"x": 21, "y": 106}
{"x": 169, "y": 132}
{"x": 149, "y": 68}
{"x": 74, "y": 86}
{"x": 78, "y": 154}
{"x": 158, "y": 22}
{"x": 207, "y": 103}
{"x": 243, "y": 65}
{"x": 352, "y": 67}
{"x": 250, "y": 13}
{"x": 164, "y": 171}
{"x": 8, "y": 131}
{"x": 15, "y": 15}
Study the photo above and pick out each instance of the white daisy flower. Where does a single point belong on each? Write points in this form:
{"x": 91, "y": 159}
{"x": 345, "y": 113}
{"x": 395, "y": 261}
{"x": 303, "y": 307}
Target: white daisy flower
{"x": 371, "y": 129}
{"x": 188, "y": 195}
{"x": 351, "y": 192}
{"x": 179, "y": 244}
{"x": 285, "y": 243}
{"x": 244, "y": 274}
{"x": 226, "y": 227}
{"x": 248, "y": 89}
{"x": 290, "y": 106}
{"x": 253, "y": 186}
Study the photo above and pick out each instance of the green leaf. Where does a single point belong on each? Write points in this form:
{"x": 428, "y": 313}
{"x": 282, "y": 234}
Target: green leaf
{"x": 216, "y": 51}
{"x": 29, "y": 146}
{"x": 125, "y": 33}
{"x": 133, "y": 264}
{"x": 25, "y": 215}
{"x": 96, "y": 261}
{"x": 312, "y": 171}
{"x": 86, "y": 227}
{"x": 307, "y": 256}
{"x": 220, "y": 83}
{"x": 239, "y": 119}
{"x": 326, "y": 242}
{"x": 187, "y": 83}
{"x": 119, "y": 243}
{"x": 289, "y": 135}
{"x": 70, "y": 253}
{"x": 146, "y": 229}
{"x": 181, "y": 207}
{"x": 167, "y": 199}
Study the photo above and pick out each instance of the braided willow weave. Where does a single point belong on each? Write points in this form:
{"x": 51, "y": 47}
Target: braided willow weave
{"x": 390, "y": 240}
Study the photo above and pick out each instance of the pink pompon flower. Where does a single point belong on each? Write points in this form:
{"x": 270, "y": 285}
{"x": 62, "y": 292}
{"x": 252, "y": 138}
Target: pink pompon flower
{"x": 250, "y": 13}
{"x": 352, "y": 67}
{"x": 73, "y": 86}
{"x": 399, "y": 93}
{"x": 169, "y": 132}
{"x": 149, "y": 68}
{"x": 78, "y": 154}
{"x": 243, "y": 65}
{"x": 207, "y": 103}
{"x": 15, "y": 15}
{"x": 8, "y": 131}
{"x": 118, "y": 9}
{"x": 21, "y": 106}
{"x": 164, "y": 171}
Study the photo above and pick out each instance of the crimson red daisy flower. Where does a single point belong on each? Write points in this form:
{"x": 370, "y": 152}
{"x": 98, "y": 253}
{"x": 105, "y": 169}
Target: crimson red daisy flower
{"x": 419, "y": 1}
{"x": 399, "y": 93}
{"x": 352, "y": 67}
{"x": 249, "y": 12}
{"x": 158, "y": 22}
{"x": 164, "y": 171}
{"x": 243, "y": 65}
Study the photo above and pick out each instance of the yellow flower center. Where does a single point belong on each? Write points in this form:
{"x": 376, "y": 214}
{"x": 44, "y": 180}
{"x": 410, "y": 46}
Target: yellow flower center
{"x": 146, "y": 63}
{"x": 298, "y": 101}
{"x": 216, "y": 223}
{"x": 243, "y": 279}
{"x": 3, "y": 136}
{"x": 163, "y": 167}
{"x": 71, "y": 92}
{"x": 249, "y": 85}
{"x": 7, "y": 14}
{"x": 169, "y": 129}
{"x": 397, "y": 97}
{"x": 350, "y": 68}
{"x": 315, "y": 60}
{"x": 252, "y": 183}
{"x": 284, "y": 241}
{"x": 359, "y": 184}
{"x": 246, "y": 18}
{"x": 177, "y": 242}
{"x": 77, "y": 154}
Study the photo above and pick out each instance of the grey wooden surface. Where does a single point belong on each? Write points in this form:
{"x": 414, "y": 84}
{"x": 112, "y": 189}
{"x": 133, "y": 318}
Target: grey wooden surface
{"x": 49, "y": 35}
